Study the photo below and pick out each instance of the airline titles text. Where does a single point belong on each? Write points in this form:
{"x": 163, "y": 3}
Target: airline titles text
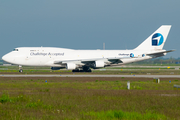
{"x": 46, "y": 54}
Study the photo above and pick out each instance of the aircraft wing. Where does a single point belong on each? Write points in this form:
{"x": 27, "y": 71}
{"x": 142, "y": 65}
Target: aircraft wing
{"x": 113, "y": 60}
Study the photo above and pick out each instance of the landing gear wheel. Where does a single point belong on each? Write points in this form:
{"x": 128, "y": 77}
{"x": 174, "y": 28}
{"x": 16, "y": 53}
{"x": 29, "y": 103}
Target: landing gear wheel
{"x": 20, "y": 70}
{"x": 76, "y": 70}
{"x": 89, "y": 70}
{"x": 86, "y": 69}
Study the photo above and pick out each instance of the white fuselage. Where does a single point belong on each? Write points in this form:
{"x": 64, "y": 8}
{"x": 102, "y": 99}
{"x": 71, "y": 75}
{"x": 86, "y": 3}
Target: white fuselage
{"x": 47, "y": 56}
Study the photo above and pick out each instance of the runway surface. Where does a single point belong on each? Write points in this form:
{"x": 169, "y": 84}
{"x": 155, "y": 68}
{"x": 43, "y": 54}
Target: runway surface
{"x": 139, "y": 76}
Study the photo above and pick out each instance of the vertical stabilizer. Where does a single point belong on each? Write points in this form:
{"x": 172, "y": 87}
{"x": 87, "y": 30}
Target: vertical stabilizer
{"x": 156, "y": 40}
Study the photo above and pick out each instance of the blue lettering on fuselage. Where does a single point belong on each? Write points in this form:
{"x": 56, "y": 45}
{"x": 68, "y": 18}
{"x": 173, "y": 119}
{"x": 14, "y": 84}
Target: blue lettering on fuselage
{"x": 123, "y": 54}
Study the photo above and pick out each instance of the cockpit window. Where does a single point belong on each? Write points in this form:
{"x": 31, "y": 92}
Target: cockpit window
{"x": 15, "y": 49}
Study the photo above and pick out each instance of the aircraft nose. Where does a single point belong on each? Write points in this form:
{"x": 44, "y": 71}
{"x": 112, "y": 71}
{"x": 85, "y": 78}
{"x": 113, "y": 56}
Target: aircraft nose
{"x": 6, "y": 58}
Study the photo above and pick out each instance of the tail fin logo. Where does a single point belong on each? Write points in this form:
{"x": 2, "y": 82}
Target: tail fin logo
{"x": 157, "y": 39}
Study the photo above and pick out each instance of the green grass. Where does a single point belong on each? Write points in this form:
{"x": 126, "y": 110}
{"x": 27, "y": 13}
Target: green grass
{"x": 121, "y": 115}
{"x": 88, "y": 98}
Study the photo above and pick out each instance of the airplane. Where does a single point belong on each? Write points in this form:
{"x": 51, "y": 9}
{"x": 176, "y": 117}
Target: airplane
{"x": 84, "y": 60}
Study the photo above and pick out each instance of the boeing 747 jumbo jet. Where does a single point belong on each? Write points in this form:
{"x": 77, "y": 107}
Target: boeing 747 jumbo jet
{"x": 83, "y": 60}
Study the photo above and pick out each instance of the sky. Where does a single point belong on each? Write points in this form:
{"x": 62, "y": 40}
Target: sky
{"x": 86, "y": 24}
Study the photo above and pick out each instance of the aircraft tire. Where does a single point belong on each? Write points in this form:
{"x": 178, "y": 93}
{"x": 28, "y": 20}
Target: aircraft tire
{"x": 76, "y": 70}
{"x": 20, "y": 70}
{"x": 89, "y": 70}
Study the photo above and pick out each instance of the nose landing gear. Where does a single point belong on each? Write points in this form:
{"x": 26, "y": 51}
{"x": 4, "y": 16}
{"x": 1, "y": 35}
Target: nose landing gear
{"x": 20, "y": 69}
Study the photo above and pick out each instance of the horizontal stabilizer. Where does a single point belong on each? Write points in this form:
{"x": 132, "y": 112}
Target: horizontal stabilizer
{"x": 160, "y": 52}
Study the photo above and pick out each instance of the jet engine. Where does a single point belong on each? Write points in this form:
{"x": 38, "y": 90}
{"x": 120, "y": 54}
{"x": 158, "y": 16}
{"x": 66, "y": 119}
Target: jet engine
{"x": 99, "y": 64}
{"x": 71, "y": 66}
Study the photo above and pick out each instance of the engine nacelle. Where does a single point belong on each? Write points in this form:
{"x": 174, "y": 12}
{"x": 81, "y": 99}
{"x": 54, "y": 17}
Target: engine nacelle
{"x": 70, "y": 66}
{"x": 56, "y": 68}
{"x": 99, "y": 64}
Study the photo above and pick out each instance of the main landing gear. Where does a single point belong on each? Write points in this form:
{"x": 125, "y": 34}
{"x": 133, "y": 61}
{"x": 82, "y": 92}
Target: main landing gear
{"x": 84, "y": 69}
